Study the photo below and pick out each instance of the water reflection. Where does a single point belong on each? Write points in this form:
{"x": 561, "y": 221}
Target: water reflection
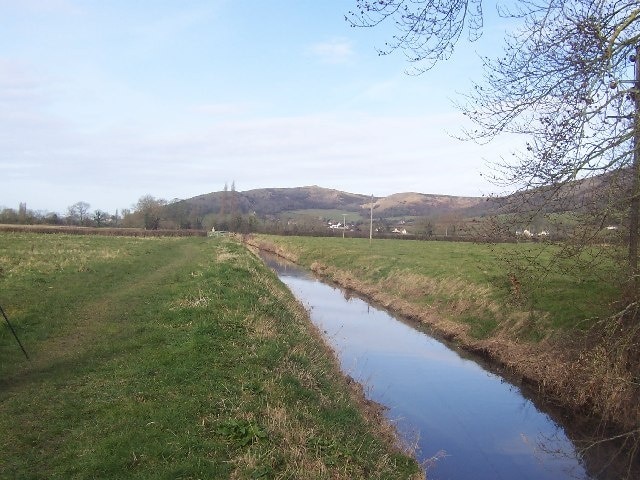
{"x": 470, "y": 421}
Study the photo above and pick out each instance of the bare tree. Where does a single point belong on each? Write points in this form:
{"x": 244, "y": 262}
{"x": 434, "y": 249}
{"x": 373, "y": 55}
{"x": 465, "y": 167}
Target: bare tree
{"x": 224, "y": 201}
{"x": 233, "y": 199}
{"x": 22, "y": 212}
{"x": 568, "y": 82}
{"x": 151, "y": 209}
{"x": 100, "y": 217}
{"x": 565, "y": 82}
{"x": 78, "y": 212}
{"x": 428, "y": 30}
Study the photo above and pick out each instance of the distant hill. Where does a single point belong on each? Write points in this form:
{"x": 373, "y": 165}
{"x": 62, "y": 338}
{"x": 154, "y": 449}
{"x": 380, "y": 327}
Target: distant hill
{"x": 420, "y": 204}
{"x": 601, "y": 197}
{"x": 596, "y": 193}
{"x": 277, "y": 201}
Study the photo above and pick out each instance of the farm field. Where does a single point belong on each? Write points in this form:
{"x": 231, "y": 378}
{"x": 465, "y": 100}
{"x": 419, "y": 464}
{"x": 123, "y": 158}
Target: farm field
{"x": 483, "y": 286}
{"x": 170, "y": 358}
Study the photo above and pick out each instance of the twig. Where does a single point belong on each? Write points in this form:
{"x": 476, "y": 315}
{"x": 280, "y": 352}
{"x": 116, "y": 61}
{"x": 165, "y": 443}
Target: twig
{"x": 14, "y": 333}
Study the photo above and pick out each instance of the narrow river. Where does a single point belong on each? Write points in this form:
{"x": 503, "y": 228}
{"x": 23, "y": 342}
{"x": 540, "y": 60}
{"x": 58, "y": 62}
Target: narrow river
{"x": 467, "y": 422}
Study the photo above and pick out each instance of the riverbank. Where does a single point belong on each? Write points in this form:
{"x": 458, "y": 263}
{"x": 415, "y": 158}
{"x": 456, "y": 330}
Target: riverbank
{"x": 171, "y": 358}
{"x": 587, "y": 372}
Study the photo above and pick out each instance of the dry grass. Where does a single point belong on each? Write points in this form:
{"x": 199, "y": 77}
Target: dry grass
{"x": 262, "y": 328}
{"x": 31, "y": 259}
{"x": 104, "y": 231}
{"x": 307, "y": 447}
{"x": 194, "y": 300}
{"x": 302, "y": 446}
{"x": 286, "y": 253}
{"x": 593, "y": 376}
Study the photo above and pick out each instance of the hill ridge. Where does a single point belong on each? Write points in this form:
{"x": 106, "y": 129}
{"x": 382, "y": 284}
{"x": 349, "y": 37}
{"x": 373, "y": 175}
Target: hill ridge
{"x": 277, "y": 200}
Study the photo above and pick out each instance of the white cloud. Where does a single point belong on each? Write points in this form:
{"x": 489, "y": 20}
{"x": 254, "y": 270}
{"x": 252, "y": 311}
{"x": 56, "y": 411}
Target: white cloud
{"x": 17, "y": 84}
{"x": 54, "y": 163}
{"x": 356, "y": 153}
{"x": 334, "y": 51}
{"x": 125, "y": 114}
{"x": 157, "y": 32}
{"x": 40, "y": 6}
{"x": 223, "y": 109}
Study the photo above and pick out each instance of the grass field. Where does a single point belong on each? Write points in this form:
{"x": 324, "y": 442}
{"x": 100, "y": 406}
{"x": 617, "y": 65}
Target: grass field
{"x": 329, "y": 214}
{"x": 484, "y": 286}
{"x": 169, "y": 358}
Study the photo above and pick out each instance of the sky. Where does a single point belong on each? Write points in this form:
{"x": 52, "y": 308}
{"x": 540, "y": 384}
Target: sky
{"x": 104, "y": 101}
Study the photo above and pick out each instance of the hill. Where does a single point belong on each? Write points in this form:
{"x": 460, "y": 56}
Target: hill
{"x": 272, "y": 201}
{"x": 420, "y": 204}
{"x": 275, "y": 201}
{"x": 552, "y": 208}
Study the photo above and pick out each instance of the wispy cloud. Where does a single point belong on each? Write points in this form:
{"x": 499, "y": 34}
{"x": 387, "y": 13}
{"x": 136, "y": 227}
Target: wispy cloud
{"x": 337, "y": 50}
{"x": 166, "y": 28}
{"x": 223, "y": 109}
{"x": 16, "y": 82}
{"x": 115, "y": 101}
{"x": 41, "y": 6}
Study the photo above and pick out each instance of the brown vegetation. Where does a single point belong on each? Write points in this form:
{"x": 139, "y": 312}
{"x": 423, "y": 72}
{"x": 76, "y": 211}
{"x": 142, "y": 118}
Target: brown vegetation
{"x": 373, "y": 413}
{"x": 111, "y": 232}
{"x": 586, "y": 373}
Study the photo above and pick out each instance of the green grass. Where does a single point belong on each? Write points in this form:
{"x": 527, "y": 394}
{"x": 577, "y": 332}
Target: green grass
{"x": 484, "y": 286}
{"x": 169, "y": 358}
{"x": 328, "y": 214}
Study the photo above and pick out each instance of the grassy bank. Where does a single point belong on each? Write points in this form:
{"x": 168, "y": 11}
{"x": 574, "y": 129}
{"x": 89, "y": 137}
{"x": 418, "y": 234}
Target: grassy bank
{"x": 170, "y": 358}
{"x": 478, "y": 285}
{"x": 539, "y": 327}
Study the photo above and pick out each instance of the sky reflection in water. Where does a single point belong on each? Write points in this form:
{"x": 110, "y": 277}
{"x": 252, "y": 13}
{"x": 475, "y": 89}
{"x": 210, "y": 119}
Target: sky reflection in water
{"x": 484, "y": 426}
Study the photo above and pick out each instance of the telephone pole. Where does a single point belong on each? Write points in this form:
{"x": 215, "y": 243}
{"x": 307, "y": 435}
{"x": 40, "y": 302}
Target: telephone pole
{"x": 371, "y": 222}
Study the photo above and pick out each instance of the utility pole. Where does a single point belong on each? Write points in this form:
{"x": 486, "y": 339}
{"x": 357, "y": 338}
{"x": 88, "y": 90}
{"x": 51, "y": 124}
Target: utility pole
{"x": 344, "y": 223}
{"x": 371, "y": 222}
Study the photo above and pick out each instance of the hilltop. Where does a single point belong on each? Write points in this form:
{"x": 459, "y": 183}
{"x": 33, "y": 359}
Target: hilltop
{"x": 549, "y": 208}
{"x": 275, "y": 201}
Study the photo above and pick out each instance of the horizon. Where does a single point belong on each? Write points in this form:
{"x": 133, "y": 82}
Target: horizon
{"x": 175, "y": 200}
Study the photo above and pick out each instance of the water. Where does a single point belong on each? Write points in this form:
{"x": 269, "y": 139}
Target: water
{"x": 468, "y": 422}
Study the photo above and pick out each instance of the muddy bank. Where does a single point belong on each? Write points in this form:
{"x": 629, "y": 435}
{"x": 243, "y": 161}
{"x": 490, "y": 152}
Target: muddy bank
{"x": 582, "y": 374}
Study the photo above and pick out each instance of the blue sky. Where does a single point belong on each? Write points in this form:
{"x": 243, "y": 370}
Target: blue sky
{"x": 105, "y": 101}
